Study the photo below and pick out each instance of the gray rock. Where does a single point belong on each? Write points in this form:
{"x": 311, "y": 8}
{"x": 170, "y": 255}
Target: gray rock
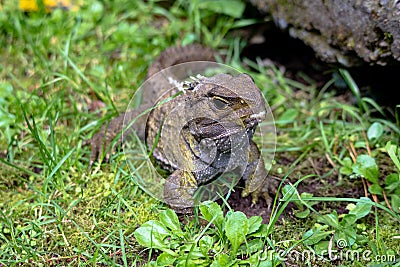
{"x": 349, "y": 32}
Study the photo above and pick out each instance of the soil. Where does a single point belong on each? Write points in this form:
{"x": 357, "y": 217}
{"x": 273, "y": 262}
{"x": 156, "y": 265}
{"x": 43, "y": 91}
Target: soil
{"x": 318, "y": 187}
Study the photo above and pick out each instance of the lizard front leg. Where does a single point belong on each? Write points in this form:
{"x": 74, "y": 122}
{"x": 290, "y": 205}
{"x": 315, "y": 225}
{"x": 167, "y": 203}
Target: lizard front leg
{"x": 256, "y": 176}
{"x": 179, "y": 189}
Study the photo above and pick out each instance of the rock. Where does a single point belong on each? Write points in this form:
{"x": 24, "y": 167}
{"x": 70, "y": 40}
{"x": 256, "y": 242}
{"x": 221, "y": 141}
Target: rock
{"x": 352, "y": 32}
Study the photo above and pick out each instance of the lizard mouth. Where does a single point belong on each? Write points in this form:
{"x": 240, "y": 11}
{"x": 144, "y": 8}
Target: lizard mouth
{"x": 215, "y": 130}
{"x": 252, "y": 121}
{"x": 223, "y": 136}
{"x": 259, "y": 116}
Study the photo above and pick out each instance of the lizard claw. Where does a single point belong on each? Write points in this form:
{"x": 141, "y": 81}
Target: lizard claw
{"x": 101, "y": 142}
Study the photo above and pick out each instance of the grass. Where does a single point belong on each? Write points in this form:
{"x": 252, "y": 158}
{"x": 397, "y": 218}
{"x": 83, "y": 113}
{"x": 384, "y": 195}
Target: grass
{"x": 58, "y": 67}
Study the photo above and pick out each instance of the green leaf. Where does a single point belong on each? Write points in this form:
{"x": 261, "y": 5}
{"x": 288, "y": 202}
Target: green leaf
{"x": 375, "y": 131}
{"x": 306, "y": 195}
{"x": 348, "y": 220}
{"x": 362, "y": 209}
{"x": 395, "y": 202}
{"x": 252, "y": 246}
{"x": 190, "y": 259}
{"x": 151, "y": 264}
{"x": 212, "y": 212}
{"x": 5, "y": 90}
{"x": 315, "y": 235}
{"x": 305, "y": 200}
{"x": 375, "y": 189}
{"x": 347, "y": 168}
{"x": 152, "y": 234}
{"x": 165, "y": 259}
{"x": 321, "y": 248}
{"x": 392, "y": 150}
{"x": 263, "y": 231}
{"x": 392, "y": 181}
{"x": 170, "y": 220}
{"x": 188, "y": 38}
{"x": 236, "y": 229}
{"x": 233, "y": 8}
{"x": 366, "y": 167}
{"x": 266, "y": 263}
{"x": 260, "y": 260}
{"x": 347, "y": 234}
{"x": 288, "y": 116}
{"x": 221, "y": 260}
{"x": 254, "y": 223}
{"x": 289, "y": 193}
{"x": 205, "y": 244}
{"x": 244, "y": 23}
{"x": 330, "y": 219}
{"x": 302, "y": 214}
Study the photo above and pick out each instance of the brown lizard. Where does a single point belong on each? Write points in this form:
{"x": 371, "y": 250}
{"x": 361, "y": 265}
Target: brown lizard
{"x": 207, "y": 130}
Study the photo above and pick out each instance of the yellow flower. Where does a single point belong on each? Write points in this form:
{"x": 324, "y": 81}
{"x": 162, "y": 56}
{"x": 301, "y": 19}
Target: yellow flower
{"x": 32, "y": 5}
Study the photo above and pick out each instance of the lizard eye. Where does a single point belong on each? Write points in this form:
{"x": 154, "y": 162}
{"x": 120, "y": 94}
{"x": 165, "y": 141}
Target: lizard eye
{"x": 220, "y": 103}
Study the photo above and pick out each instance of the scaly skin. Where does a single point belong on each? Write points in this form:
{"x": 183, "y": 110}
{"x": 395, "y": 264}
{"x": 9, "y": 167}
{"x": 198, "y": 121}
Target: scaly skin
{"x": 203, "y": 132}
{"x": 154, "y": 89}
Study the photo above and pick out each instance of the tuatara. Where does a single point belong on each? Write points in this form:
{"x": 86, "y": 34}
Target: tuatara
{"x": 206, "y": 131}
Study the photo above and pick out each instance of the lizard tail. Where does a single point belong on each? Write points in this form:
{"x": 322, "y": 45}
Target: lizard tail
{"x": 181, "y": 54}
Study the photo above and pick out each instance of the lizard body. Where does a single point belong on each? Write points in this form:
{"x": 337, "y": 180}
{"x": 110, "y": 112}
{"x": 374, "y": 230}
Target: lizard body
{"x": 205, "y": 131}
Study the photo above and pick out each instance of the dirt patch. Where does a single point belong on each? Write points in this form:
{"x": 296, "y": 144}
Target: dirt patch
{"x": 246, "y": 206}
{"x": 327, "y": 187}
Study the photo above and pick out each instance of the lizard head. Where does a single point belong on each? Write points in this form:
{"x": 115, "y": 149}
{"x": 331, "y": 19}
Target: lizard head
{"x": 209, "y": 124}
{"x": 225, "y": 106}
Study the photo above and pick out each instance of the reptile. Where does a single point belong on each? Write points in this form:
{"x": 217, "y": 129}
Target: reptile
{"x": 207, "y": 130}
